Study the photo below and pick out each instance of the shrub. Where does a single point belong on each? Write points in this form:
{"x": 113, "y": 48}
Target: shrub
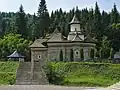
{"x": 53, "y": 76}
{"x": 83, "y": 73}
{"x": 8, "y": 72}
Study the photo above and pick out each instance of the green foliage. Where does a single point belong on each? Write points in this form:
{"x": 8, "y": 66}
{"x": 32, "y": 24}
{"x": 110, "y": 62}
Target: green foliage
{"x": 11, "y": 42}
{"x": 43, "y": 20}
{"x": 114, "y": 15}
{"x": 21, "y": 23}
{"x": 105, "y": 48}
{"x": 8, "y": 72}
{"x": 83, "y": 74}
{"x": 97, "y": 22}
{"x": 53, "y": 76}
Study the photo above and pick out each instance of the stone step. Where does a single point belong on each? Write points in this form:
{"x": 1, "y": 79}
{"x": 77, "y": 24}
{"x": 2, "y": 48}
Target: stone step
{"x": 25, "y": 77}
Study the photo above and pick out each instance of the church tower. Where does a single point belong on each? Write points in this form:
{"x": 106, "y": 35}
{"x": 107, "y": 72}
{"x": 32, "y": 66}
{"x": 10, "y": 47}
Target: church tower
{"x": 75, "y": 29}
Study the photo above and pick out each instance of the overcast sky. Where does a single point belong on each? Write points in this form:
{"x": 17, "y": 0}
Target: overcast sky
{"x": 31, "y": 6}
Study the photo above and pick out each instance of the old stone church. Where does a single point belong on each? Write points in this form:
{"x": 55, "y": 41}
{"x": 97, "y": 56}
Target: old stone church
{"x": 75, "y": 47}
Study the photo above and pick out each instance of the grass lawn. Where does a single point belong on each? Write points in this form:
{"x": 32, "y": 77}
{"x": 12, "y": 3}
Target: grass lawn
{"x": 83, "y": 74}
{"x": 8, "y": 72}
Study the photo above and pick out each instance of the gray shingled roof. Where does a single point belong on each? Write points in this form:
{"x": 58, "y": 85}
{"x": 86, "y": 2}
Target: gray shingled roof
{"x": 38, "y": 43}
{"x": 88, "y": 38}
{"x": 77, "y": 38}
{"x": 56, "y": 36}
{"x": 15, "y": 54}
{"x": 117, "y": 55}
{"x": 75, "y": 20}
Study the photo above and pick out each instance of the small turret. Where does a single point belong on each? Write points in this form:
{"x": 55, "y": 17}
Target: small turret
{"x": 75, "y": 29}
{"x": 74, "y": 20}
{"x": 75, "y": 24}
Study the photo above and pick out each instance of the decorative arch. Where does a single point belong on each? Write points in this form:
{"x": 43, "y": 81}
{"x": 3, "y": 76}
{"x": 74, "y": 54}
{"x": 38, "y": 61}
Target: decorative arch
{"x": 92, "y": 53}
{"x": 82, "y": 54}
{"x": 61, "y": 55}
{"x": 71, "y": 55}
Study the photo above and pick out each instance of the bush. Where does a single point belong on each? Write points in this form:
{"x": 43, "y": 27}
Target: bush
{"x": 8, "y": 72}
{"x": 83, "y": 74}
{"x": 53, "y": 76}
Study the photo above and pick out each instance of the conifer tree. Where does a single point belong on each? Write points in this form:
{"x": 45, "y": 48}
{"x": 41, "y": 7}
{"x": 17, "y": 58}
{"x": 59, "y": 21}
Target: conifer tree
{"x": 21, "y": 22}
{"x": 43, "y": 21}
{"x": 114, "y": 15}
{"x": 97, "y": 21}
{"x": 105, "y": 22}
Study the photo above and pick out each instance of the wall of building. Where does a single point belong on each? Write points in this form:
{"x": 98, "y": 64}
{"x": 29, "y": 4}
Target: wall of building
{"x": 39, "y": 54}
{"x": 54, "y": 50}
{"x": 75, "y": 27}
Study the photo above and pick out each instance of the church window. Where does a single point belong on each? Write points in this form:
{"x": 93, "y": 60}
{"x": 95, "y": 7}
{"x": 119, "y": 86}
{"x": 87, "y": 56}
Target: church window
{"x": 71, "y": 55}
{"x": 39, "y": 56}
{"x": 75, "y": 29}
{"x": 76, "y": 53}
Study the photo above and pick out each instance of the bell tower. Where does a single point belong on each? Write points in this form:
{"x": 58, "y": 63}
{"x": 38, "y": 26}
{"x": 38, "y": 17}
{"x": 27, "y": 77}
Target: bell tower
{"x": 74, "y": 25}
{"x": 75, "y": 29}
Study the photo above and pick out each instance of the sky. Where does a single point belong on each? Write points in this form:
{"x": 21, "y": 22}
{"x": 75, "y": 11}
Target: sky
{"x": 31, "y": 6}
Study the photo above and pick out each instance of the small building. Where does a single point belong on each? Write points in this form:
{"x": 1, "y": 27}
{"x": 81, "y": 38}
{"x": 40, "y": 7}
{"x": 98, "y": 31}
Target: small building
{"x": 116, "y": 58}
{"x": 59, "y": 48}
{"x": 16, "y": 56}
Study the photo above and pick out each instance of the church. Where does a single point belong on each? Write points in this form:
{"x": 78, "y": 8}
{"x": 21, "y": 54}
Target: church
{"x": 76, "y": 47}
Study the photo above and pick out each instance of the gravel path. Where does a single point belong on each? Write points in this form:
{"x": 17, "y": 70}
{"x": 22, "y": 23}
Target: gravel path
{"x": 45, "y": 87}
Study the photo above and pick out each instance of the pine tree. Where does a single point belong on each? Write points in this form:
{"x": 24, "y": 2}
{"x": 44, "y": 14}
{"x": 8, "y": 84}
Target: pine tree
{"x": 89, "y": 26}
{"x": 97, "y": 22}
{"x": 43, "y": 21}
{"x": 33, "y": 27}
{"x": 105, "y": 22}
{"x": 21, "y": 22}
{"x": 114, "y": 15}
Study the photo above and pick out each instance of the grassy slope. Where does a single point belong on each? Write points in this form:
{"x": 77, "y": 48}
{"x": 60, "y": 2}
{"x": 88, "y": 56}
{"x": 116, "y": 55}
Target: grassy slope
{"x": 8, "y": 72}
{"x": 86, "y": 74}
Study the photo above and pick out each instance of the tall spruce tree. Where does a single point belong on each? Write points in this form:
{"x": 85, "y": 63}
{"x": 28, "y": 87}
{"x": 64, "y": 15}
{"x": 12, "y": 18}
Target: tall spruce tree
{"x": 97, "y": 21}
{"x": 89, "y": 26}
{"x": 114, "y": 15}
{"x": 43, "y": 21}
{"x": 114, "y": 30}
{"x": 33, "y": 27}
{"x": 105, "y": 22}
{"x": 21, "y": 22}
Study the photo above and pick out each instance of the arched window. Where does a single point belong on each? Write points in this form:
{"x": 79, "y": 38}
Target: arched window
{"x": 92, "y": 53}
{"x": 39, "y": 56}
{"x": 71, "y": 55}
{"x": 61, "y": 55}
{"x": 75, "y": 29}
{"x": 82, "y": 54}
{"x": 77, "y": 53}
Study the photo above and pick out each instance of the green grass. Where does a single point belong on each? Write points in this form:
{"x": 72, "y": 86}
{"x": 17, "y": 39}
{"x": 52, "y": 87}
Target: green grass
{"x": 8, "y": 72}
{"x": 83, "y": 74}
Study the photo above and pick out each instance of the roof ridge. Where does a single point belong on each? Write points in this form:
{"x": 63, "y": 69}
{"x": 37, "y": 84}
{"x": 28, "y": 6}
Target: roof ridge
{"x": 77, "y": 38}
{"x": 75, "y": 20}
{"x": 37, "y": 43}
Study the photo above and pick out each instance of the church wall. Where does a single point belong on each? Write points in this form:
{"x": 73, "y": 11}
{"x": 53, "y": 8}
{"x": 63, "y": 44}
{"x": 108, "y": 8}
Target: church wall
{"x": 53, "y": 54}
{"x": 75, "y": 27}
{"x": 39, "y": 55}
{"x": 54, "y": 51}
